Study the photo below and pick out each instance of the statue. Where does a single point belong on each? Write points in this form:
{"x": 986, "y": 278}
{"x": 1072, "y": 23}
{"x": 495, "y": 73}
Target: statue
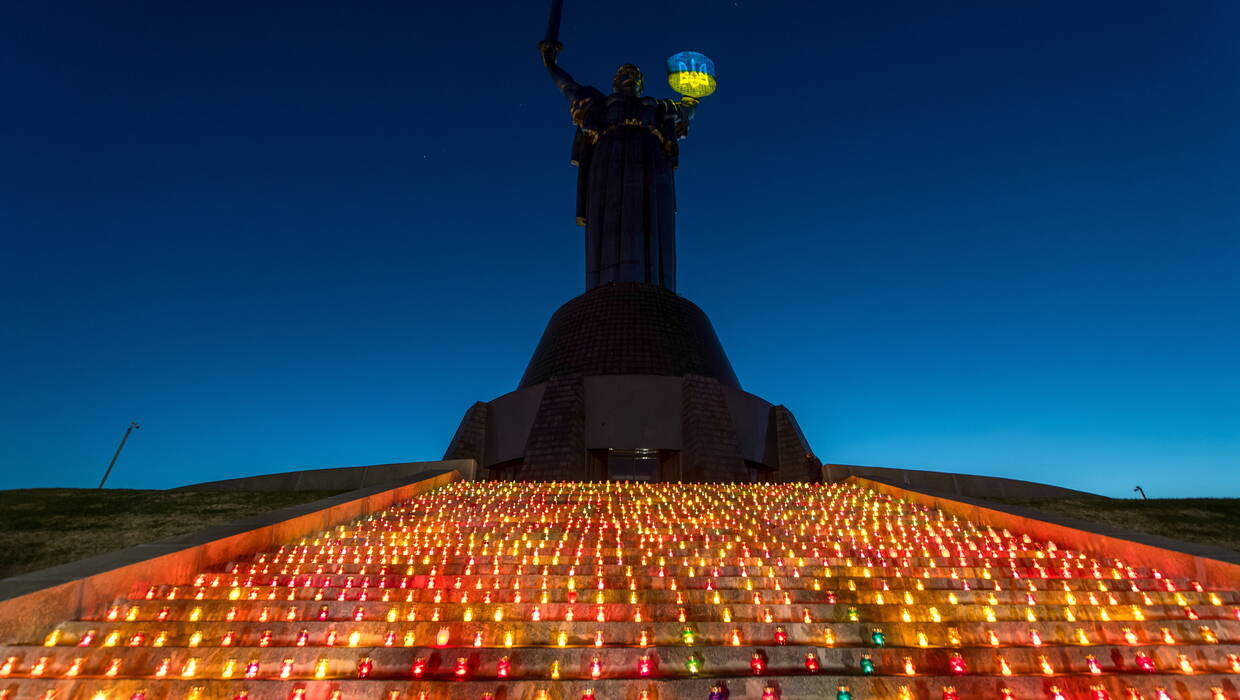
{"x": 626, "y": 150}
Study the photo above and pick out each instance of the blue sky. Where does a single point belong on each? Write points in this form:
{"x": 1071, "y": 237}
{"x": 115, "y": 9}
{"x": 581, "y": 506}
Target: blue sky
{"x": 994, "y": 238}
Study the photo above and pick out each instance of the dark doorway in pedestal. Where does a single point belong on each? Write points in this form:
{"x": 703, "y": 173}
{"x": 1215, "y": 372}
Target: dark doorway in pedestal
{"x": 640, "y": 464}
{"x": 759, "y": 472}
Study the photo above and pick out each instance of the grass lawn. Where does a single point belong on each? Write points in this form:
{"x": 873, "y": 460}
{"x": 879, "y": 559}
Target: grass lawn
{"x": 1213, "y": 521}
{"x": 45, "y": 527}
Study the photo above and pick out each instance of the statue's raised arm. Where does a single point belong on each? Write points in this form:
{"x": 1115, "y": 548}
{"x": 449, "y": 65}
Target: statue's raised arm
{"x": 550, "y": 51}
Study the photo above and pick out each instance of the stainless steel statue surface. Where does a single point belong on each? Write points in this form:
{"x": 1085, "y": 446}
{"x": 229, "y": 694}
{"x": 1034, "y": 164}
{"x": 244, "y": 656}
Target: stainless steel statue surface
{"x": 626, "y": 150}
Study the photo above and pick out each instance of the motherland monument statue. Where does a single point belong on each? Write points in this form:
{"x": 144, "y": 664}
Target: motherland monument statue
{"x": 629, "y": 380}
{"x": 626, "y": 150}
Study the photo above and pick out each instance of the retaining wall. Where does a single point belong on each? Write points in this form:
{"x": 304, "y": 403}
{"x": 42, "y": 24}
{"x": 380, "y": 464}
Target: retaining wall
{"x": 1213, "y": 566}
{"x": 972, "y": 485}
{"x": 32, "y": 604}
{"x": 337, "y": 478}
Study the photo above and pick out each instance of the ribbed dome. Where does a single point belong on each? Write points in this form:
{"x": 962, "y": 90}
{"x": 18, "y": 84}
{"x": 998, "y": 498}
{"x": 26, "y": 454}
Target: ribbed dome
{"x": 629, "y": 328}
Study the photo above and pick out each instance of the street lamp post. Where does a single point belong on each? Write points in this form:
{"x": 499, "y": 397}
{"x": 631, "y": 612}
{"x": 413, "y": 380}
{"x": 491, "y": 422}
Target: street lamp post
{"x": 132, "y": 427}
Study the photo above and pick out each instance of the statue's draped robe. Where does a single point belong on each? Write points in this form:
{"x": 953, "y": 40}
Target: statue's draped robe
{"x": 626, "y": 193}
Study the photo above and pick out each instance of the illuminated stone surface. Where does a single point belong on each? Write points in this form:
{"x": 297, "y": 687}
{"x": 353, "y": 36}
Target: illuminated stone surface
{"x": 485, "y": 587}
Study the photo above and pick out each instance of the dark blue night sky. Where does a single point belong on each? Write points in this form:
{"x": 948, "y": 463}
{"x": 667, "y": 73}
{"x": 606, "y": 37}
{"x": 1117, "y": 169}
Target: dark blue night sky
{"x": 993, "y": 237}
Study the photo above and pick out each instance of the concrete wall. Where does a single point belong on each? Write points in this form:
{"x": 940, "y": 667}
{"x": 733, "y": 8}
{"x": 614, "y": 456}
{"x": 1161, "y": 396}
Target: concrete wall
{"x": 337, "y": 479}
{"x": 1213, "y": 566}
{"x": 509, "y": 421}
{"x": 556, "y": 449}
{"x": 470, "y": 439}
{"x": 32, "y": 604}
{"x": 631, "y": 411}
{"x": 947, "y": 482}
{"x": 751, "y": 416}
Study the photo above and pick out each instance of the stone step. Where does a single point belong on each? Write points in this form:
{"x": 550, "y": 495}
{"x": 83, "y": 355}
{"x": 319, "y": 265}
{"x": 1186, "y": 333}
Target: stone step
{"x": 373, "y": 632}
{"x": 767, "y": 590}
{"x": 801, "y": 687}
{"x": 623, "y": 612}
{"x": 533, "y": 662}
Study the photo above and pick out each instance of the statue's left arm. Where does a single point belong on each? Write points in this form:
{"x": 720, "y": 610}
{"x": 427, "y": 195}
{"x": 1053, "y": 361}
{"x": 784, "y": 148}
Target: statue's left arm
{"x": 679, "y": 113}
{"x": 687, "y": 107}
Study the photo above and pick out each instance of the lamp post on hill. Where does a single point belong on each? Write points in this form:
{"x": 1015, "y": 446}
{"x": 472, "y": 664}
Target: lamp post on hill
{"x": 132, "y": 427}
{"x": 1142, "y": 492}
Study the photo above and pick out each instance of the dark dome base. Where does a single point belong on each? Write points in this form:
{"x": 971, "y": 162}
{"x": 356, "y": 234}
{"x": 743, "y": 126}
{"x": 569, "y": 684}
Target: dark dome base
{"x": 630, "y": 382}
{"x": 629, "y": 328}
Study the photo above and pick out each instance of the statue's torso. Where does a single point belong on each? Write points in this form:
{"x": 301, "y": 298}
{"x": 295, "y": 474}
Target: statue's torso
{"x": 633, "y": 111}
{"x": 626, "y": 199}
{"x": 597, "y": 113}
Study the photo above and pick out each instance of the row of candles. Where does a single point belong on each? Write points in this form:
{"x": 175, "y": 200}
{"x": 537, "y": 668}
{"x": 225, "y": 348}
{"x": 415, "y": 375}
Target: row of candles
{"x": 716, "y": 692}
{"x": 689, "y": 636}
{"x": 191, "y": 667}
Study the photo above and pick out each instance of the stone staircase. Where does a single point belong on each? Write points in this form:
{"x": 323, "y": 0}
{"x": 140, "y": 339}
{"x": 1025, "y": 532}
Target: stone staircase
{"x": 521, "y": 590}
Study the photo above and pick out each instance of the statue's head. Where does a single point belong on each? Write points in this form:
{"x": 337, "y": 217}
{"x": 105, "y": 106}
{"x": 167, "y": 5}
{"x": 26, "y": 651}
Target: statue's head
{"x": 628, "y": 80}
